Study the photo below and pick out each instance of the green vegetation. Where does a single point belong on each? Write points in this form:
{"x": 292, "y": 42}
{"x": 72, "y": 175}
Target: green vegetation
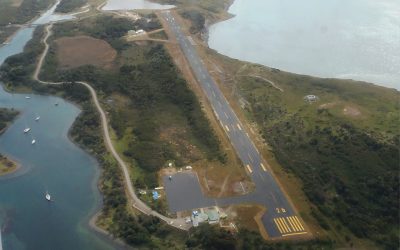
{"x": 6, "y": 117}
{"x": 197, "y": 20}
{"x": 18, "y": 12}
{"x": 344, "y": 147}
{"x": 69, "y": 5}
{"x": 159, "y": 98}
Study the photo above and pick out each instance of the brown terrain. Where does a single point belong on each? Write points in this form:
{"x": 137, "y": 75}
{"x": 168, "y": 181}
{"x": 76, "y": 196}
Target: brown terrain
{"x": 83, "y": 50}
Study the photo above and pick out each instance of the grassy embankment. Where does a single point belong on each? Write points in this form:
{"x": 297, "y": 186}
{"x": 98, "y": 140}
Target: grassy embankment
{"x": 70, "y": 5}
{"x": 16, "y": 12}
{"x": 343, "y": 148}
{"x": 7, "y": 166}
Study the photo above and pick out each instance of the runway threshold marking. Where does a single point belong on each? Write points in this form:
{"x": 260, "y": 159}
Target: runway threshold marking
{"x": 263, "y": 167}
{"x": 290, "y": 225}
{"x": 249, "y": 168}
{"x": 283, "y": 235}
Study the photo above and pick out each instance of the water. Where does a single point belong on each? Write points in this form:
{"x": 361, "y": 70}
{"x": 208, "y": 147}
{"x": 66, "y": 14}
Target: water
{"x": 357, "y": 39}
{"x": 134, "y": 4}
{"x": 55, "y": 164}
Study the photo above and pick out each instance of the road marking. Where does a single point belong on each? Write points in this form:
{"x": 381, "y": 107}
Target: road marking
{"x": 227, "y": 129}
{"x": 284, "y": 235}
{"x": 214, "y": 94}
{"x": 285, "y": 224}
{"x": 293, "y": 224}
{"x": 298, "y": 221}
{"x": 226, "y": 115}
{"x": 238, "y": 126}
{"x": 249, "y": 168}
{"x": 263, "y": 167}
{"x": 278, "y": 226}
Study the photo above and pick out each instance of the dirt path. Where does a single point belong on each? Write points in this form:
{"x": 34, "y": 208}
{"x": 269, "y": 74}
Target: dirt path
{"x": 137, "y": 203}
{"x": 266, "y": 80}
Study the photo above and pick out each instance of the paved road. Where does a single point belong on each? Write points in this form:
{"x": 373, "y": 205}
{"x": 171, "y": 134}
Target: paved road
{"x": 280, "y": 220}
{"x": 137, "y": 203}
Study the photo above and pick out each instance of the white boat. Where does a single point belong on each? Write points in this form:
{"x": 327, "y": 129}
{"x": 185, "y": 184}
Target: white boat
{"x": 33, "y": 141}
{"x": 37, "y": 118}
{"x": 27, "y": 97}
{"x": 48, "y": 197}
{"x": 27, "y": 130}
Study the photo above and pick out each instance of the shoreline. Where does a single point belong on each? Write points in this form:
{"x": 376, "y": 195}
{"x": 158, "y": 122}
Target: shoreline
{"x": 21, "y": 26}
{"x": 204, "y": 36}
{"x": 14, "y": 169}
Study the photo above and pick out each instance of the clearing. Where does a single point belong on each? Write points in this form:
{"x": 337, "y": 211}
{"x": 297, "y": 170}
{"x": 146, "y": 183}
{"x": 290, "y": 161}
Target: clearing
{"x": 82, "y": 50}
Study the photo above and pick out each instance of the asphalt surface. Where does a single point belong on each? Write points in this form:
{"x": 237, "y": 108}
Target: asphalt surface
{"x": 280, "y": 220}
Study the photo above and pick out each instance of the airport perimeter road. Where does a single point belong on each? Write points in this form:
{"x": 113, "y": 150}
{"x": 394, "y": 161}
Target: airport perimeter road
{"x": 280, "y": 220}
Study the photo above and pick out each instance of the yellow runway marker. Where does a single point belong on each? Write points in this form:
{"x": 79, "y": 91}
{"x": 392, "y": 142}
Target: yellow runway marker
{"x": 227, "y": 129}
{"x": 263, "y": 167}
{"x": 298, "y": 221}
{"x": 249, "y": 168}
{"x": 278, "y": 226}
{"x": 294, "y": 226}
{"x": 293, "y": 234}
{"x": 240, "y": 128}
{"x": 285, "y": 225}
{"x": 284, "y": 230}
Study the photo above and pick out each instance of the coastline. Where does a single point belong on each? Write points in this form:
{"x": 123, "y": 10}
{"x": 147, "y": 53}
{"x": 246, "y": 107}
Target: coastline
{"x": 20, "y": 26}
{"x": 4, "y": 159}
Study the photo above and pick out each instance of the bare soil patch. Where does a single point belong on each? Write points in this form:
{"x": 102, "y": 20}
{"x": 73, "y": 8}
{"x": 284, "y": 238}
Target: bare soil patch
{"x": 351, "y": 111}
{"x": 83, "y": 50}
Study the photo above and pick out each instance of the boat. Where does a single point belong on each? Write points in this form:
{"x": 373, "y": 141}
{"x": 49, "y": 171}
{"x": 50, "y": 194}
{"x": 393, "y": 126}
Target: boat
{"x": 27, "y": 130}
{"x": 48, "y": 197}
{"x": 33, "y": 141}
{"x": 37, "y": 118}
{"x": 27, "y": 97}
{"x": 56, "y": 103}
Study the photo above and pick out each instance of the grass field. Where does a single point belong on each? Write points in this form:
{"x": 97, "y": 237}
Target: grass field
{"x": 76, "y": 51}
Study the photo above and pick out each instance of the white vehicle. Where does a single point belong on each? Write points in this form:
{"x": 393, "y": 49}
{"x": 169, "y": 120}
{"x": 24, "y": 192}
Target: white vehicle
{"x": 27, "y": 130}
{"x": 27, "y": 97}
{"x": 33, "y": 141}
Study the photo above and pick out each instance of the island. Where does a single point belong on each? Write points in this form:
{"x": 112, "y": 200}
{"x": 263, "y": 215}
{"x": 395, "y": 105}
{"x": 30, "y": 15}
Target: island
{"x": 7, "y": 166}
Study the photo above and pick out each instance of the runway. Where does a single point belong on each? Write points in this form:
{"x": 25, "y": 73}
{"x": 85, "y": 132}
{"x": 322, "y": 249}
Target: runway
{"x": 280, "y": 220}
